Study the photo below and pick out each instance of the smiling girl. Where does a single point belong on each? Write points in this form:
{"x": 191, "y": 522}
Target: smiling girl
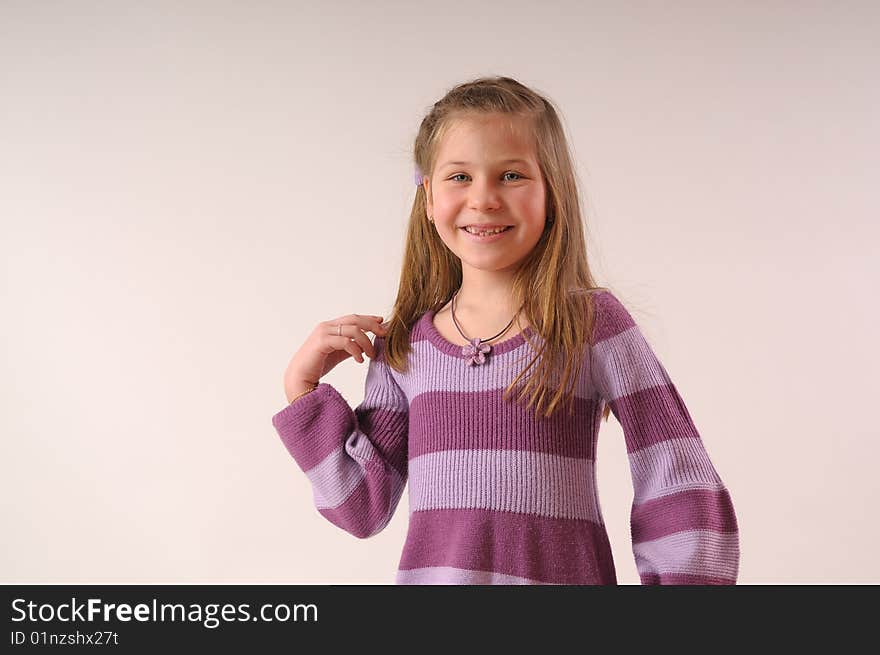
{"x": 496, "y": 295}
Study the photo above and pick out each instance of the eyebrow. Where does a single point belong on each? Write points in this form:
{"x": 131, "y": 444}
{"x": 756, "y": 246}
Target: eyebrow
{"x": 465, "y": 163}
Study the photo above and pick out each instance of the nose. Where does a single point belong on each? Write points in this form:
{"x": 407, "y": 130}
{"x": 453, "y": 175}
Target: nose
{"x": 483, "y": 196}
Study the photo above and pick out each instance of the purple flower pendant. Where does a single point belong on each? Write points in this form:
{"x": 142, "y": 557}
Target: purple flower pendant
{"x": 476, "y": 351}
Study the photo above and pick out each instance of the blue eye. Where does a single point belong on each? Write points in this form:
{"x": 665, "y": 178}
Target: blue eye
{"x": 507, "y": 173}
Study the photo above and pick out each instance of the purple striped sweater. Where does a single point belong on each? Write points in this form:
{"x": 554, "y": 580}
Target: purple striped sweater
{"x": 498, "y": 496}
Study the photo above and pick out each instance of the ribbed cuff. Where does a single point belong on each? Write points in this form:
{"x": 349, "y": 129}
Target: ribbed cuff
{"x": 291, "y": 413}
{"x": 314, "y": 425}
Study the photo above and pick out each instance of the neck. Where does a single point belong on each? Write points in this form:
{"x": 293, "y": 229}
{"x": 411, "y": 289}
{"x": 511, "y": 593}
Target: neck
{"x": 486, "y": 297}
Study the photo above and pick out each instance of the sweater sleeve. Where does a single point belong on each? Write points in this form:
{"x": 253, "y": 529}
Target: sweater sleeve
{"x": 356, "y": 460}
{"x": 682, "y": 521}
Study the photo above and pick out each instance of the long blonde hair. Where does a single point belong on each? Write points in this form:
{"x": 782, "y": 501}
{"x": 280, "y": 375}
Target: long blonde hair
{"x": 553, "y": 283}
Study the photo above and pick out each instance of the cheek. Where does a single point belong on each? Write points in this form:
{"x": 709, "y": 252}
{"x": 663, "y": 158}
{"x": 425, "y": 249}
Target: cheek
{"x": 538, "y": 205}
{"x": 444, "y": 205}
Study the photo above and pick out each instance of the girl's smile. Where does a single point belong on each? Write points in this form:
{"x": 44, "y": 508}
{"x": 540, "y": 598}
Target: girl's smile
{"x": 487, "y": 237}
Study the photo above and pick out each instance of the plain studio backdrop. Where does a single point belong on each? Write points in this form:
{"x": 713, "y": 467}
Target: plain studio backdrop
{"x": 188, "y": 188}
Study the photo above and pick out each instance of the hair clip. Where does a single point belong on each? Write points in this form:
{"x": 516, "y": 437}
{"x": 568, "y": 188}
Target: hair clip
{"x": 418, "y": 177}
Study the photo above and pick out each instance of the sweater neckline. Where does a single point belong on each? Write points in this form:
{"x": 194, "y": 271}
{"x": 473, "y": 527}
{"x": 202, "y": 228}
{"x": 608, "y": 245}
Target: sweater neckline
{"x": 498, "y": 347}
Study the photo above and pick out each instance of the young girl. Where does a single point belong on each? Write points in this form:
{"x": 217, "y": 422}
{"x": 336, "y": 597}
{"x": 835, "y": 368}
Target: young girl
{"x": 495, "y": 283}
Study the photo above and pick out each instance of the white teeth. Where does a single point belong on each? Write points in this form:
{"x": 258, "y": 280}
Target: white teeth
{"x": 485, "y": 232}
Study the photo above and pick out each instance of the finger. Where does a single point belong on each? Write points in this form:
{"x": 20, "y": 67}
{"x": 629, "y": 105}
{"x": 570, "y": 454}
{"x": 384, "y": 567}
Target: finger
{"x": 354, "y": 341}
{"x": 351, "y": 347}
{"x": 364, "y": 342}
{"x": 361, "y": 339}
{"x": 378, "y": 327}
{"x": 369, "y": 323}
{"x": 353, "y": 318}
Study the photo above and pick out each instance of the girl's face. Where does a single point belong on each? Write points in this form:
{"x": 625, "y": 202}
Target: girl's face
{"x": 475, "y": 182}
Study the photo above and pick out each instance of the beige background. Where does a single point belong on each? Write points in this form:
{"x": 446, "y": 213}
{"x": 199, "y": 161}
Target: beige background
{"x": 187, "y": 188}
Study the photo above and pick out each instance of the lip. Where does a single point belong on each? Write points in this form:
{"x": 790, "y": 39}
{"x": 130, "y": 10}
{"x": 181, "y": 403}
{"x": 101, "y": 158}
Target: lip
{"x": 488, "y": 238}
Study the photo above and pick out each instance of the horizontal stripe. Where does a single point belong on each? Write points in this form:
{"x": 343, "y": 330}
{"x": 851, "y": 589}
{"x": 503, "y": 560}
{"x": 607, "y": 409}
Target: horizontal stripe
{"x": 694, "y": 552}
{"x": 669, "y": 466}
{"x": 334, "y": 479}
{"x": 691, "y": 509}
{"x": 438, "y": 371}
{"x": 507, "y": 481}
{"x": 436, "y": 365}
{"x": 456, "y": 421}
{"x": 370, "y": 506}
{"x": 449, "y": 575}
{"x": 547, "y": 550}
{"x": 653, "y": 415}
{"x": 612, "y": 317}
{"x": 625, "y": 364}
{"x": 433, "y": 370}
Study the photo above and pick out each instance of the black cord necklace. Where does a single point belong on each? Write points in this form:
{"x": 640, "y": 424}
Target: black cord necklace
{"x": 477, "y": 349}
